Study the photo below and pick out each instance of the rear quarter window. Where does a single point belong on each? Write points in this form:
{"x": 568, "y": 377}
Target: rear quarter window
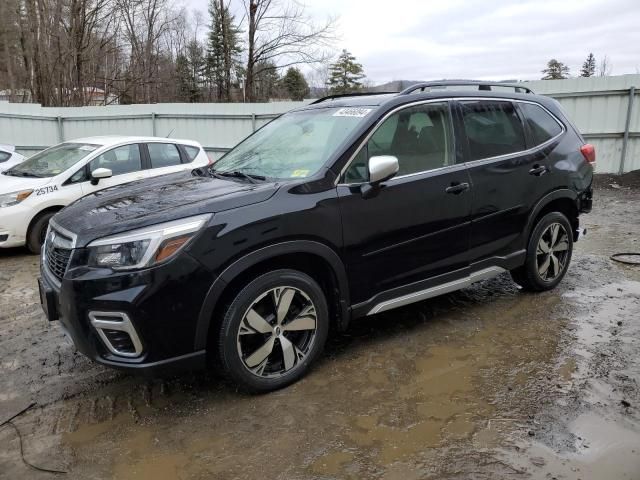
{"x": 4, "y": 156}
{"x": 192, "y": 152}
{"x": 542, "y": 125}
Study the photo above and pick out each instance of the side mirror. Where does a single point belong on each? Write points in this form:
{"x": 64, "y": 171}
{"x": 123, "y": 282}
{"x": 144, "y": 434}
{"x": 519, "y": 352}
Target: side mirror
{"x": 99, "y": 173}
{"x": 381, "y": 168}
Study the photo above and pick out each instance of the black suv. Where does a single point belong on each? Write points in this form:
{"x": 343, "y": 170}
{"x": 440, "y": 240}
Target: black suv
{"x": 347, "y": 207}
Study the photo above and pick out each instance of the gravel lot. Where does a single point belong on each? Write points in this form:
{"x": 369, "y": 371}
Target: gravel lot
{"x": 488, "y": 382}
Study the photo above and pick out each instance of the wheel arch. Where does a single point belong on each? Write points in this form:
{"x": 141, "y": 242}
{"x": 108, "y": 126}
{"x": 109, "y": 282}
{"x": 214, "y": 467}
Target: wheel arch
{"x": 564, "y": 201}
{"x": 318, "y": 260}
{"x": 34, "y": 219}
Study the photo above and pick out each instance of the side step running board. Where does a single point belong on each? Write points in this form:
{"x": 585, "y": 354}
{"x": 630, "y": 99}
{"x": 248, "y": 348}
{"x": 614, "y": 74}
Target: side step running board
{"x": 437, "y": 290}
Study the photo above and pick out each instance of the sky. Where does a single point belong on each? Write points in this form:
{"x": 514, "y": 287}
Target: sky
{"x": 482, "y": 39}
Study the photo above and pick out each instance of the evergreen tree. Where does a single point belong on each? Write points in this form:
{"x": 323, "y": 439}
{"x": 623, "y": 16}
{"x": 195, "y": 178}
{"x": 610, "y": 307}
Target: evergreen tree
{"x": 589, "y": 66}
{"x": 223, "y": 49}
{"x": 266, "y": 81}
{"x": 295, "y": 84}
{"x": 182, "y": 77}
{"x": 345, "y": 75}
{"x": 189, "y": 70}
{"x": 555, "y": 70}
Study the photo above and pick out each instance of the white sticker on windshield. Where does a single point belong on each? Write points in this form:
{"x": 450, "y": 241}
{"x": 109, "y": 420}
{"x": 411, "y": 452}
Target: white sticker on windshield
{"x": 352, "y": 112}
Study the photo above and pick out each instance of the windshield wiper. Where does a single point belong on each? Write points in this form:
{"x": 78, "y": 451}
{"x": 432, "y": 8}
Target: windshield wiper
{"x": 21, "y": 174}
{"x": 237, "y": 174}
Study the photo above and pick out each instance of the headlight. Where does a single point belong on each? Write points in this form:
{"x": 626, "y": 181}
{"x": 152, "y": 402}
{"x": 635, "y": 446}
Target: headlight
{"x": 146, "y": 246}
{"x": 8, "y": 199}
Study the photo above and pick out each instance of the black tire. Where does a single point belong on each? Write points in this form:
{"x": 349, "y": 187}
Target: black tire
{"x": 37, "y": 232}
{"x": 529, "y": 275}
{"x": 264, "y": 295}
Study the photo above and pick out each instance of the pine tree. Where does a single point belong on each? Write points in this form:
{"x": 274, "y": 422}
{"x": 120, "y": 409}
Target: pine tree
{"x": 295, "y": 84}
{"x": 266, "y": 82}
{"x": 223, "y": 49}
{"x": 189, "y": 71}
{"x": 589, "y": 66}
{"x": 555, "y": 70}
{"x": 345, "y": 75}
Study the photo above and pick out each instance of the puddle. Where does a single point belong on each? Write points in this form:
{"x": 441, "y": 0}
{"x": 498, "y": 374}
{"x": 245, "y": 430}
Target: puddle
{"x": 605, "y": 450}
{"x": 488, "y": 382}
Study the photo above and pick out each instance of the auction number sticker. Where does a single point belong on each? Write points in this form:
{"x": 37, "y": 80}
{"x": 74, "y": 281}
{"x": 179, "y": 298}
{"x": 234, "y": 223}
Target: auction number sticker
{"x": 352, "y": 112}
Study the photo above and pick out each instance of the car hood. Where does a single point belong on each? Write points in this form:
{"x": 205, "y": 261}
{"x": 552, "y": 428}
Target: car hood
{"x": 151, "y": 201}
{"x": 9, "y": 183}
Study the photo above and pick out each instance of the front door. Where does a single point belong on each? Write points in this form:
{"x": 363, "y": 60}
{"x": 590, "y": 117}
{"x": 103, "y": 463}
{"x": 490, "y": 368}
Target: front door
{"x": 125, "y": 163}
{"x": 417, "y": 226}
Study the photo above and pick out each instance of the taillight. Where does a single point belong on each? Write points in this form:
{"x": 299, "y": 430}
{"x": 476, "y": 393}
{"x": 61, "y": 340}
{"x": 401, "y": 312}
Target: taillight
{"x": 589, "y": 153}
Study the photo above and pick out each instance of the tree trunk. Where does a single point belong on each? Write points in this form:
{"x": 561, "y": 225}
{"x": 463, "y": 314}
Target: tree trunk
{"x": 249, "y": 81}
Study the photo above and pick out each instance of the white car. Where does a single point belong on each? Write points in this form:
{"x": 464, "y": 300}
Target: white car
{"x": 9, "y": 157}
{"x": 34, "y": 190}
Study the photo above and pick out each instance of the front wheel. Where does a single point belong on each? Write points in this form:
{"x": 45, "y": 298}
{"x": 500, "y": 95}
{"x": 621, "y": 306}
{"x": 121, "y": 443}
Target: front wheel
{"x": 273, "y": 330}
{"x": 38, "y": 232}
{"x": 548, "y": 254}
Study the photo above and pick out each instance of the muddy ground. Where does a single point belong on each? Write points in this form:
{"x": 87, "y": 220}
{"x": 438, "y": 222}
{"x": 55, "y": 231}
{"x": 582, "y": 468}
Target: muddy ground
{"x": 488, "y": 382}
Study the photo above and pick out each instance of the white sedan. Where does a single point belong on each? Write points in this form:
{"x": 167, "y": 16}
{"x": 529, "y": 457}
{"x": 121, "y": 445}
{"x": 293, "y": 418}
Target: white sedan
{"x": 9, "y": 157}
{"x": 34, "y": 190}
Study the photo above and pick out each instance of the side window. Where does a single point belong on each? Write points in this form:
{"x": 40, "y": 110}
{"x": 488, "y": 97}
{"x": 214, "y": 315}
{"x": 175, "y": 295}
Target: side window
{"x": 543, "y": 126}
{"x": 192, "y": 152}
{"x": 4, "y": 156}
{"x": 420, "y": 137}
{"x": 163, "y": 155}
{"x": 492, "y": 128}
{"x": 79, "y": 176}
{"x": 119, "y": 160}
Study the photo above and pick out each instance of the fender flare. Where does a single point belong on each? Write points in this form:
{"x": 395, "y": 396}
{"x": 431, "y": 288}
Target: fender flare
{"x": 546, "y": 200}
{"x": 242, "y": 264}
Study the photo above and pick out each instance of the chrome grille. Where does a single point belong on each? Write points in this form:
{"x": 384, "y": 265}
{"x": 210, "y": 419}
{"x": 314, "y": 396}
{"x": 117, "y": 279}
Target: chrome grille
{"x": 56, "y": 254}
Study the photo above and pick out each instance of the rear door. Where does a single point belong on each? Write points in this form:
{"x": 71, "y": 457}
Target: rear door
{"x": 508, "y": 178}
{"x": 165, "y": 158}
{"x": 412, "y": 229}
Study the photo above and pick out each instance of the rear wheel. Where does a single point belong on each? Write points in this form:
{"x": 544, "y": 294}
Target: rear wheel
{"x": 38, "y": 231}
{"x": 273, "y": 330}
{"x": 548, "y": 254}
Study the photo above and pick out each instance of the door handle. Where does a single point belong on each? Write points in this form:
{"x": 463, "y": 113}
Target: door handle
{"x": 457, "y": 187}
{"x": 538, "y": 170}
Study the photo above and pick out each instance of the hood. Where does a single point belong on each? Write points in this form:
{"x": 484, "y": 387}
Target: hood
{"x": 156, "y": 200}
{"x": 9, "y": 183}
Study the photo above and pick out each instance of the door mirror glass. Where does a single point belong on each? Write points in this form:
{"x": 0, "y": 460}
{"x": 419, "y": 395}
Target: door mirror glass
{"x": 382, "y": 168}
{"x": 99, "y": 173}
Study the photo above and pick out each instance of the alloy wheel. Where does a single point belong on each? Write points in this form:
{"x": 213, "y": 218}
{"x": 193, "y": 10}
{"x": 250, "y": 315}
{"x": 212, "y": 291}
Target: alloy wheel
{"x": 277, "y": 332}
{"x": 552, "y": 252}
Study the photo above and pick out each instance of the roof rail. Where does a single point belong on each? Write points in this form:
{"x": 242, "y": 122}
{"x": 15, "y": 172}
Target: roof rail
{"x": 482, "y": 85}
{"x": 355, "y": 94}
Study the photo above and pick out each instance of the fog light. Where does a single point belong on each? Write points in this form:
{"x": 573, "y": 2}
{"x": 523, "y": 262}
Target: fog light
{"x": 117, "y": 333}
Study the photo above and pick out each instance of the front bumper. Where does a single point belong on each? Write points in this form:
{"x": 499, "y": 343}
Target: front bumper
{"x": 14, "y": 222}
{"x": 162, "y": 304}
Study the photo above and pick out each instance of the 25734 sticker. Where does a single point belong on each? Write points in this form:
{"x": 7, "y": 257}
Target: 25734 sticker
{"x": 45, "y": 190}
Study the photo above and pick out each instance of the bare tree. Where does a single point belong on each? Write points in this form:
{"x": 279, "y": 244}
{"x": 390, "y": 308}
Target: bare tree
{"x": 145, "y": 22}
{"x": 605, "y": 67}
{"x": 280, "y": 35}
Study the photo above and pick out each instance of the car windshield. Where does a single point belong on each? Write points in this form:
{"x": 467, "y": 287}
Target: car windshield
{"x": 295, "y": 145}
{"x": 52, "y": 161}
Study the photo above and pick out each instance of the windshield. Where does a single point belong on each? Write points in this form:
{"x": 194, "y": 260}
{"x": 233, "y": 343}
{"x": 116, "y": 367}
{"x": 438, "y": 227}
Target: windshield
{"x": 52, "y": 161}
{"x": 294, "y": 145}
